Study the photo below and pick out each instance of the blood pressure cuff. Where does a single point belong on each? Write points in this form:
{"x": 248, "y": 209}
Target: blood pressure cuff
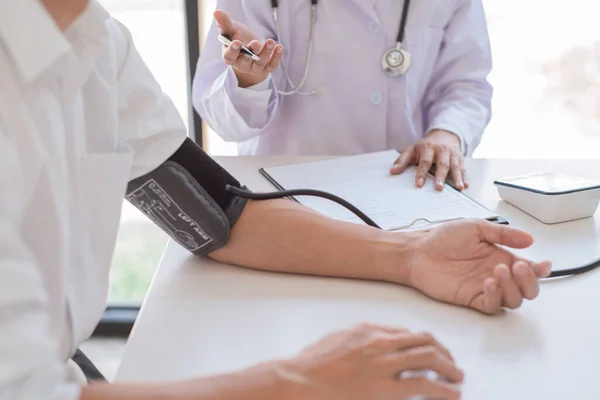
{"x": 186, "y": 197}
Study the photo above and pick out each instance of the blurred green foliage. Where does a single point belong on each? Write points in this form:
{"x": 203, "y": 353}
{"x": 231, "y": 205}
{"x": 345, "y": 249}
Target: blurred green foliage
{"x": 140, "y": 245}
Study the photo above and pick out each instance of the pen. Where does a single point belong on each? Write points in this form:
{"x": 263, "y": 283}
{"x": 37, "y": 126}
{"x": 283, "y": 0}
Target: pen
{"x": 244, "y": 50}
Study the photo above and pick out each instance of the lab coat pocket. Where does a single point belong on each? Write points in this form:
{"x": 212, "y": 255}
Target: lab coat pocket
{"x": 424, "y": 44}
{"x": 103, "y": 181}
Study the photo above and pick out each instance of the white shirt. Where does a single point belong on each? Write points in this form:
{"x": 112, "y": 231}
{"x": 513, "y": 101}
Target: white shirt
{"x": 80, "y": 115}
{"x": 360, "y": 108}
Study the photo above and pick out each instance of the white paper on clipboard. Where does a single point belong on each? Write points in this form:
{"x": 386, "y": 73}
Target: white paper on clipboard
{"x": 392, "y": 201}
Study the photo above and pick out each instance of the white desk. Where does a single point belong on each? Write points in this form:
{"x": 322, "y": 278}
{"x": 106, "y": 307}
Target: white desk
{"x": 201, "y": 317}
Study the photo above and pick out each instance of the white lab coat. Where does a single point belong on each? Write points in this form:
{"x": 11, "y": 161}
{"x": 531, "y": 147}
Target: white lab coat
{"x": 80, "y": 115}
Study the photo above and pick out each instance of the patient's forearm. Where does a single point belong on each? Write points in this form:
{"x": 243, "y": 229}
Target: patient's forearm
{"x": 139, "y": 391}
{"x": 267, "y": 381}
{"x": 282, "y": 235}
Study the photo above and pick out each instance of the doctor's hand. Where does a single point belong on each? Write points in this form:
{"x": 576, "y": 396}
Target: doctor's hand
{"x": 247, "y": 71}
{"x": 461, "y": 263}
{"x": 440, "y": 149}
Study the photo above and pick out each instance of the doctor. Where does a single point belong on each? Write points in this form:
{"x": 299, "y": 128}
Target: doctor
{"x": 356, "y": 76}
{"x": 82, "y": 123}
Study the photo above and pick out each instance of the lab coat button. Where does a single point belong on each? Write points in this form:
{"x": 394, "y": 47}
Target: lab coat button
{"x": 376, "y": 97}
{"x": 374, "y": 27}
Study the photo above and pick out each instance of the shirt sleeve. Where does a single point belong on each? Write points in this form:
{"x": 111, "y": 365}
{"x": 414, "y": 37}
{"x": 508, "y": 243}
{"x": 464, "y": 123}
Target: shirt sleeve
{"x": 30, "y": 366}
{"x": 148, "y": 120}
{"x": 236, "y": 114}
{"x": 458, "y": 98}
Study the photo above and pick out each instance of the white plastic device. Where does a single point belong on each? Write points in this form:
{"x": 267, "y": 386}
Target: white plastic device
{"x": 551, "y": 197}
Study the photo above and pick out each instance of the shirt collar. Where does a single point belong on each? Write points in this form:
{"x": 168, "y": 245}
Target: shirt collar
{"x": 31, "y": 37}
{"x": 90, "y": 22}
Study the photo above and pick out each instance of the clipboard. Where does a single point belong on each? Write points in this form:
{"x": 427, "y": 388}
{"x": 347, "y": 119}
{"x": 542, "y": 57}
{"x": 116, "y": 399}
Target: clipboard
{"x": 278, "y": 179}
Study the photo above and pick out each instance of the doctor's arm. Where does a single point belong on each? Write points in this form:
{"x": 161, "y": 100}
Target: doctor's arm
{"x": 456, "y": 102}
{"x": 235, "y": 95}
{"x": 458, "y": 97}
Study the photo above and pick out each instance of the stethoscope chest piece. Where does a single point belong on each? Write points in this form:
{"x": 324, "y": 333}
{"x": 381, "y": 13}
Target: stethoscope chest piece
{"x": 395, "y": 61}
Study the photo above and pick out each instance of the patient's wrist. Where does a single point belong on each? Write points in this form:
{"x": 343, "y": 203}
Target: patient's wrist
{"x": 396, "y": 252}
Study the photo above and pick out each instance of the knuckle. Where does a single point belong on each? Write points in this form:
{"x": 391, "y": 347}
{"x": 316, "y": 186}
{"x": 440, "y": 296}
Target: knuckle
{"x": 274, "y": 64}
{"x": 376, "y": 342}
{"x": 364, "y": 326}
{"x": 443, "y": 148}
{"x": 363, "y": 329}
{"x": 443, "y": 164}
{"x": 430, "y": 354}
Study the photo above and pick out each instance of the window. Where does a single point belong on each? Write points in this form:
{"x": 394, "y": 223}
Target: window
{"x": 214, "y": 144}
{"x": 546, "y": 80}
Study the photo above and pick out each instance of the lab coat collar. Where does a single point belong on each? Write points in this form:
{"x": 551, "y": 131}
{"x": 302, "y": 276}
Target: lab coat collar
{"x": 31, "y": 37}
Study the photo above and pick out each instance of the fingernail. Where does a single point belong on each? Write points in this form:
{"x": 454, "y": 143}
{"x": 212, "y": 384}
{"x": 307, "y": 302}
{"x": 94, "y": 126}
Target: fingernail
{"x": 235, "y": 45}
{"x": 270, "y": 45}
{"x": 280, "y": 49}
{"x": 547, "y": 270}
{"x": 439, "y": 182}
{"x": 420, "y": 182}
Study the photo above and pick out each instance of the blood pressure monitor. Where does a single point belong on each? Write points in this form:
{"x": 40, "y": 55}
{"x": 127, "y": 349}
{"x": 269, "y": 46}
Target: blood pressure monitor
{"x": 551, "y": 197}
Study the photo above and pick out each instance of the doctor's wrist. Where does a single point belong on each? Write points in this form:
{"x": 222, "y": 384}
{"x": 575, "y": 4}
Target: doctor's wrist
{"x": 247, "y": 80}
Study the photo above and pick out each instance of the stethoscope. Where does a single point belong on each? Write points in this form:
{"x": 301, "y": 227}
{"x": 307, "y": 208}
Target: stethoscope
{"x": 396, "y": 61}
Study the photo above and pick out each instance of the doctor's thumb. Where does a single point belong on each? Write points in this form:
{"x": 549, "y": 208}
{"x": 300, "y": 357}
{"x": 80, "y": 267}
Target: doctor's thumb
{"x": 223, "y": 21}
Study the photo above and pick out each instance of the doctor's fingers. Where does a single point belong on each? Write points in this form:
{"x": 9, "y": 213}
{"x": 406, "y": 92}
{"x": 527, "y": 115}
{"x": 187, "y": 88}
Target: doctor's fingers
{"x": 242, "y": 63}
{"x": 269, "y": 54}
{"x": 442, "y": 166}
{"x": 275, "y": 59}
{"x": 426, "y": 155}
{"x": 458, "y": 171}
{"x": 232, "y": 52}
{"x": 407, "y": 157}
{"x": 224, "y": 23}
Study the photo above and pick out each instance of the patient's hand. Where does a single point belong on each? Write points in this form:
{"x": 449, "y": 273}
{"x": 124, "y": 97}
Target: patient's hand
{"x": 461, "y": 263}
